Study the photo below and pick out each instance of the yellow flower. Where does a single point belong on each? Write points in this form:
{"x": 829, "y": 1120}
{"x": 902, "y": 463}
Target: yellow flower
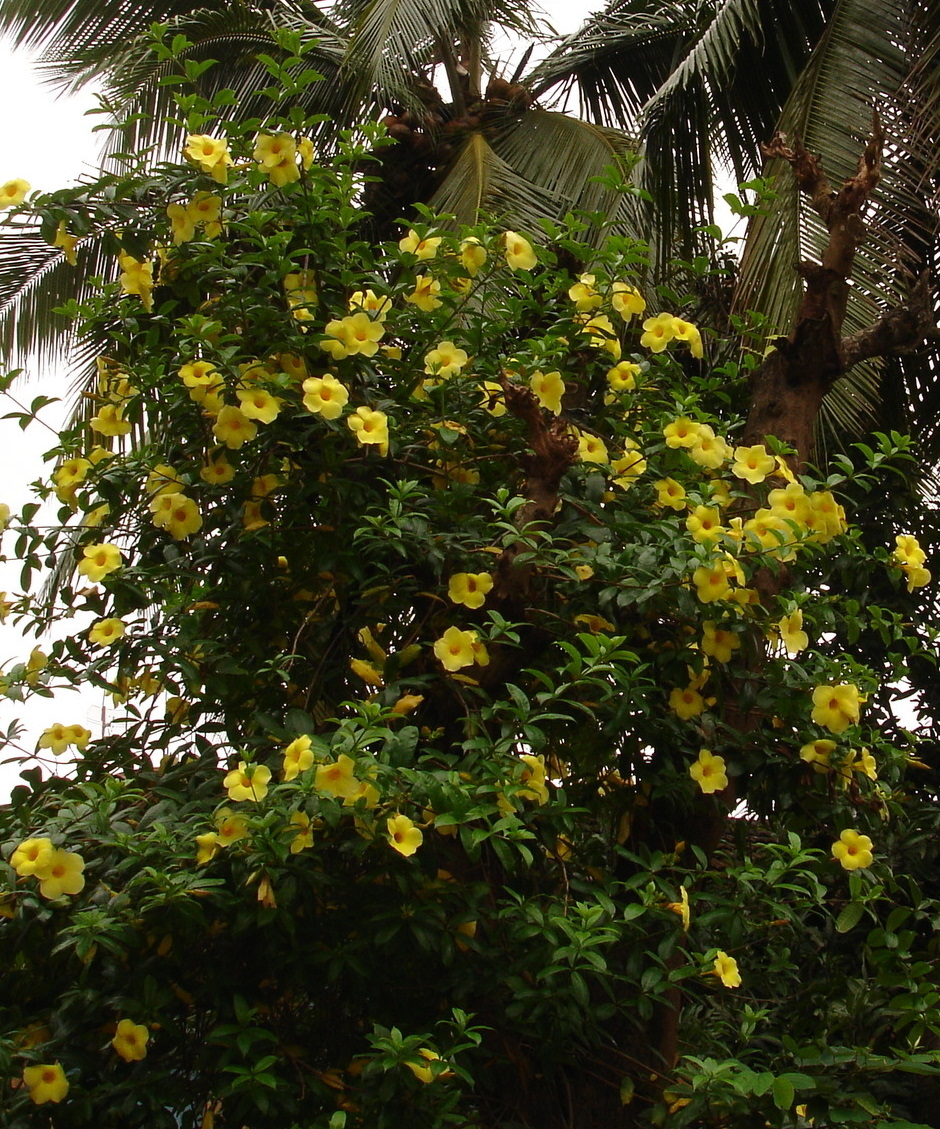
{"x": 406, "y": 703}
{"x": 622, "y": 377}
{"x": 257, "y": 404}
{"x": 370, "y": 427}
{"x": 584, "y": 295}
{"x": 494, "y": 400}
{"x": 791, "y": 503}
{"x": 836, "y": 707}
{"x": 670, "y": 493}
{"x": 355, "y": 333}
{"x": 305, "y": 149}
{"x": 337, "y": 778}
{"x": 628, "y": 468}
{"x": 917, "y": 578}
{"x": 207, "y": 847}
{"x": 753, "y": 464}
{"x": 32, "y": 856}
{"x": 62, "y": 874}
{"x": 136, "y": 277}
{"x": 303, "y": 832}
{"x": 217, "y": 471}
{"x": 908, "y": 551}
{"x": 711, "y": 583}
{"x": 445, "y": 359}
{"x": 592, "y": 449}
{"x": 853, "y": 850}
{"x": 13, "y": 193}
{"x": 106, "y": 631}
{"x": 58, "y": 737}
{"x": 682, "y": 908}
{"x": 99, "y": 560}
{"x": 472, "y": 255}
{"x": 455, "y": 649}
{"x": 601, "y": 331}
{"x": 233, "y": 427}
{"x": 325, "y": 395}
{"x": 182, "y": 225}
{"x": 717, "y": 642}
{"x": 533, "y": 779}
{"x": 274, "y": 149}
{"x": 130, "y": 1040}
{"x": 827, "y": 517}
{"x": 704, "y": 524}
{"x": 626, "y": 300}
{"x": 204, "y": 209}
{"x": 367, "y": 301}
{"x": 66, "y": 242}
{"x": 726, "y": 969}
{"x": 685, "y": 331}
{"x": 710, "y": 450}
{"x": 298, "y": 757}
{"x": 177, "y": 514}
{"x": 817, "y": 753}
{"x": 425, "y": 248}
{"x": 35, "y": 665}
{"x": 369, "y": 674}
{"x": 519, "y": 252}
{"x": 791, "y": 633}
{"x": 682, "y": 432}
{"x": 425, "y": 293}
{"x": 300, "y": 289}
{"x": 403, "y": 836}
{"x": 46, "y": 1082}
{"x": 110, "y": 420}
{"x": 68, "y": 476}
{"x": 686, "y": 703}
{"x": 549, "y": 389}
{"x": 163, "y": 479}
{"x": 210, "y": 154}
{"x": 865, "y": 764}
{"x": 423, "y": 1071}
{"x": 469, "y": 588}
{"x": 709, "y": 772}
{"x": 658, "y": 332}
{"x": 229, "y": 827}
{"x": 247, "y": 782}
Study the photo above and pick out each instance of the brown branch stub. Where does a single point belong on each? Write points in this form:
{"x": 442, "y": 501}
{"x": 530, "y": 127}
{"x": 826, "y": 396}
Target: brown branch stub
{"x": 903, "y": 328}
{"x": 807, "y": 170}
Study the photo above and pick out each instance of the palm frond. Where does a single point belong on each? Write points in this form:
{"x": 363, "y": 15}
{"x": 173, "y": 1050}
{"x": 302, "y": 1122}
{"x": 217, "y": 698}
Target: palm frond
{"x": 480, "y": 182}
{"x": 35, "y": 280}
{"x": 694, "y": 82}
{"x": 580, "y": 165}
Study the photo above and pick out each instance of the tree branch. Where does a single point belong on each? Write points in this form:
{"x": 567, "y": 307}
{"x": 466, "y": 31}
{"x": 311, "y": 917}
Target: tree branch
{"x": 901, "y": 330}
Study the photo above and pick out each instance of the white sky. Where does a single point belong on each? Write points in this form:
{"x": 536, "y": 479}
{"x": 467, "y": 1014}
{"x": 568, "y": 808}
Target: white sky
{"x": 49, "y": 146}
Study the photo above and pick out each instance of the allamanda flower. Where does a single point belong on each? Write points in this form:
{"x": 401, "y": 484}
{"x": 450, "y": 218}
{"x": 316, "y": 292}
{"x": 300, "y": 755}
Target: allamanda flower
{"x": 709, "y": 772}
{"x": 836, "y": 707}
{"x": 403, "y": 836}
{"x": 247, "y": 782}
{"x": 853, "y": 850}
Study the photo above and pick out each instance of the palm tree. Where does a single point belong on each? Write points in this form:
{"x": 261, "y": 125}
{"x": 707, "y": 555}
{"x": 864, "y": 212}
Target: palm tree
{"x": 692, "y": 86}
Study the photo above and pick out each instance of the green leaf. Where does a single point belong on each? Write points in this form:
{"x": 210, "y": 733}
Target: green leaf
{"x": 783, "y": 1092}
{"x": 849, "y": 917}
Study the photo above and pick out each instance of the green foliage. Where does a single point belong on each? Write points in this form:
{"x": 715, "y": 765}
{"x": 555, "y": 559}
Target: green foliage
{"x": 464, "y": 736}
